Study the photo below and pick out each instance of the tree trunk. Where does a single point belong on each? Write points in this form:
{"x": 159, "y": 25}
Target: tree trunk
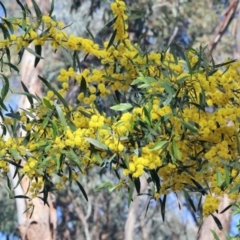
{"x": 209, "y": 224}
{"x": 42, "y": 224}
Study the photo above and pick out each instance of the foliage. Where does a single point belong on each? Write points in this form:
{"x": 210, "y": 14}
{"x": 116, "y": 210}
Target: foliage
{"x": 173, "y": 121}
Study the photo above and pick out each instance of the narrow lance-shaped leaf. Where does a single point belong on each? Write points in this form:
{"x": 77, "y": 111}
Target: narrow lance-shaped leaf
{"x": 83, "y": 86}
{"x": 226, "y": 208}
{"x": 215, "y": 235}
{"x": 102, "y": 186}
{"x": 4, "y": 9}
{"x": 61, "y": 116}
{"x": 96, "y": 143}
{"x": 219, "y": 178}
{"x": 234, "y": 189}
{"x": 37, "y": 10}
{"x": 38, "y": 49}
{"x": 11, "y": 66}
{"x": 122, "y": 107}
{"x": 158, "y": 145}
{"x": 189, "y": 127}
{"x": 5, "y": 31}
{"x": 217, "y": 221}
{"x": 137, "y": 184}
{"x": 76, "y": 61}
{"x": 90, "y": 33}
{"x": 23, "y": 9}
{"x": 187, "y": 196}
{"x": 30, "y": 99}
{"x": 10, "y": 27}
{"x": 5, "y": 87}
{"x": 47, "y": 103}
{"x": 34, "y": 53}
{"x": 112, "y": 39}
{"x": 163, "y": 206}
{"x": 52, "y": 8}
{"x": 147, "y": 207}
{"x": 130, "y": 193}
{"x": 176, "y": 152}
{"x": 82, "y": 190}
{"x": 55, "y": 91}
{"x": 238, "y": 144}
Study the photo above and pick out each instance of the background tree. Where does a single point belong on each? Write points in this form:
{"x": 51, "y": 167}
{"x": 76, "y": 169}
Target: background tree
{"x": 150, "y": 36}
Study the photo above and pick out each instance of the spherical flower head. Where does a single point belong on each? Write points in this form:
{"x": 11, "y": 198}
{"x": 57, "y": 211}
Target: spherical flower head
{"x": 210, "y": 205}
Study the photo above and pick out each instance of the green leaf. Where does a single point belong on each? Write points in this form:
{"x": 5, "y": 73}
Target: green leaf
{"x": 55, "y": 91}
{"x": 45, "y": 122}
{"x": 176, "y": 152}
{"x": 10, "y": 193}
{"x": 163, "y": 206}
{"x": 4, "y": 9}
{"x": 5, "y": 31}
{"x": 52, "y": 8}
{"x": 215, "y": 235}
{"x": 155, "y": 178}
{"x": 219, "y": 178}
{"x": 147, "y": 207}
{"x": 145, "y": 85}
{"x": 112, "y": 39}
{"x": 158, "y": 145}
{"x": 102, "y": 186}
{"x": 217, "y": 221}
{"x": 8, "y": 55}
{"x": 227, "y": 175}
{"x": 34, "y": 53}
{"x": 110, "y": 23}
{"x": 61, "y": 116}
{"x": 23, "y": 8}
{"x": 5, "y": 87}
{"x": 11, "y": 66}
{"x": 37, "y": 10}
{"x": 122, "y": 107}
{"x": 147, "y": 115}
{"x": 15, "y": 154}
{"x": 99, "y": 159}
{"x": 83, "y": 87}
{"x": 76, "y": 61}
{"x": 29, "y": 97}
{"x": 38, "y": 50}
{"x": 82, "y": 190}
{"x": 130, "y": 192}
{"x": 137, "y": 184}
{"x": 234, "y": 189}
{"x": 21, "y": 196}
{"x": 67, "y": 55}
{"x": 226, "y": 208}
{"x": 10, "y": 27}
{"x": 199, "y": 186}
{"x": 47, "y": 103}
{"x": 113, "y": 188}
{"x": 90, "y": 33}
{"x": 187, "y": 196}
{"x": 96, "y": 143}
{"x": 189, "y": 127}
{"x": 54, "y": 129}
{"x": 29, "y": 113}
{"x": 3, "y": 105}
{"x": 238, "y": 144}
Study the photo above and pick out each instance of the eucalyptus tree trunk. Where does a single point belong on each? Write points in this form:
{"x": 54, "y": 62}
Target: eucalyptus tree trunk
{"x": 42, "y": 223}
{"x": 209, "y": 224}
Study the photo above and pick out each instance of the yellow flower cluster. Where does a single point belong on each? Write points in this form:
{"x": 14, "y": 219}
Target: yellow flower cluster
{"x": 210, "y": 205}
{"x": 170, "y": 130}
{"x": 119, "y": 8}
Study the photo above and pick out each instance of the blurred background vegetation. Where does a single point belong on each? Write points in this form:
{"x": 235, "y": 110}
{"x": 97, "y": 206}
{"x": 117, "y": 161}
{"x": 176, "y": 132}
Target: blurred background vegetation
{"x": 154, "y": 24}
